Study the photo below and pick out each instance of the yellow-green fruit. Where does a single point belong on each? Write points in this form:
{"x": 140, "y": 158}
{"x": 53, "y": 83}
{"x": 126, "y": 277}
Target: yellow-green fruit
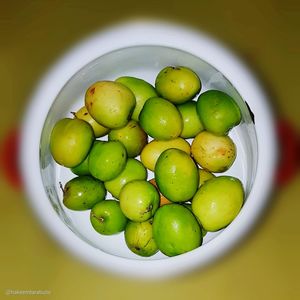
{"x": 70, "y": 141}
{"x": 153, "y": 150}
{"x": 218, "y": 202}
{"x": 177, "y": 84}
{"x": 212, "y": 152}
{"x": 161, "y": 119}
{"x": 139, "y": 238}
{"x": 110, "y": 103}
{"x": 142, "y": 91}
{"x": 132, "y": 136}
{"x": 176, "y": 175}
{"x": 84, "y": 115}
{"x": 192, "y": 124}
{"x": 204, "y": 175}
{"x": 134, "y": 170}
{"x": 218, "y": 112}
{"x": 176, "y": 230}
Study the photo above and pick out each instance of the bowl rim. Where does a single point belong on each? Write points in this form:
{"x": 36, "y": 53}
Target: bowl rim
{"x": 168, "y": 35}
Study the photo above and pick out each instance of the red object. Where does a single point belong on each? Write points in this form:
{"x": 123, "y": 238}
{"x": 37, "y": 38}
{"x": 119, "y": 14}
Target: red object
{"x": 9, "y": 158}
{"x": 289, "y": 159}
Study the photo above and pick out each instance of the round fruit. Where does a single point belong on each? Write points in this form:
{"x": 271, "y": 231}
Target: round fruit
{"x": 176, "y": 175}
{"x": 176, "y": 230}
{"x": 161, "y": 119}
{"x": 218, "y": 202}
{"x": 84, "y": 115}
{"x": 163, "y": 199}
{"x": 154, "y": 149}
{"x": 212, "y": 152}
{"x": 107, "y": 160}
{"x": 82, "y": 168}
{"x": 139, "y": 238}
{"x": 204, "y": 176}
{"x": 132, "y": 136}
{"x": 139, "y": 200}
{"x": 177, "y": 84}
{"x": 110, "y": 103}
{"x": 70, "y": 141}
{"x": 107, "y": 218}
{"x": 134, "y": 170}
{"x": 192, "y": 124}
{"x": 83, "y": 192}
{"x": 218, "y": 112}
{"x": 142, "y": 91}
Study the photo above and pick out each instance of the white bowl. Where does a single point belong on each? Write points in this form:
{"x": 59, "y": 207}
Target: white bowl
{"x": 142, "y": 49}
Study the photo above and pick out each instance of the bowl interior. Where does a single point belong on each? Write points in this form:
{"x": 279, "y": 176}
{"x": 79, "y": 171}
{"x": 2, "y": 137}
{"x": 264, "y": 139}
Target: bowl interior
{"x": 144, "y": 62}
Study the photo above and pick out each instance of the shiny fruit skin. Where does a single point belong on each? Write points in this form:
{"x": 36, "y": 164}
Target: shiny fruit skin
{"x": 107, "y": 160}
{"x": 154, "y": 149}
{"x": 218, "y": 202}
{"x": 107, "y": 218}
{"x": 218, "y": 112}
{"x": 83, "y": 192}
{"x": 176, "y": 175}
{"x": 176, "y": 230}
{"x": 161, "y": 119}
{"x": 70, "y": 141}
{"x": 132, "y": 136}
{"x": 142, "y": 91}
{"x": 177, "y": 84}
{"x": 82, "y": 168}
{"x": 212, "y": 152}
{"x": 110, "y": 103}
{"x": 163, "y": 199}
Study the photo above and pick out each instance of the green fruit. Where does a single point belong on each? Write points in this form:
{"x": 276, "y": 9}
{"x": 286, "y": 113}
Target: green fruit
{"x": 107, "y": 160}
{"x": 139, "y": 238}
{"x": 161, "y": 119}
{"x": 107, "y": 218}
{"x": 204, "y": 176}
{"x": 142, "y": 91}
{"x": 139, "y": 200}
{"x": 177, "y": 84}
{"x": 176, "y": 175}
{"x": 132, "y": 136}
{"x": 134, "y": 170}
{"x": 82, "y": 168}
{"x": 176, "y": 230}
{"x": 218, "y": 112}
{"x": 110, "y": 103}
{"x": 212, "y": 152}
{"x": 83, "y": 192}
{"x": 218, "y": 202}
{"x": 192, "y": 124}
{"x": 154, "y": 149}
{"x": 70, "y": 141}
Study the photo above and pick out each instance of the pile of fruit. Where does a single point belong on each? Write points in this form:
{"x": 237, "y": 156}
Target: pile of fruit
{"x": 179, "y": 134}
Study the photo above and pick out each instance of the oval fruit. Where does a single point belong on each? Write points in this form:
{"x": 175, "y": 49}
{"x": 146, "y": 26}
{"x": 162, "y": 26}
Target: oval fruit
{"x": 70, "y": 141}
{"x": 163, "y": 199}
{"x": 161, "y": 119}
{"x": 83, "y": 192}
{"x": 142, "y": 91}
{"x": 132, "y": 136}
{"x": 218, "y": 202}
{"x": 218, "y": 112}
{"x": 134, "y": 170}
{"x": 154, "y": 149}
{"x": 139, "y": 238}
{"x": 204, "y": 175}
{"x": 212, "y": 152}
{"x": 107, "y": 218}
{"x": 82, "y": 168}
{"x": 176, "y": 230}
{"x": 176, "y": 175}
{"x": 107, "y": 160}
{"x": 110, "y": 103}
{"x": 177, "y": 84}
{"x": 139, "y": 200}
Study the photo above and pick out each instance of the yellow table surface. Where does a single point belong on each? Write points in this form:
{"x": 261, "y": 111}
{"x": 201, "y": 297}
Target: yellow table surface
{"x": 33, "y": 34}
